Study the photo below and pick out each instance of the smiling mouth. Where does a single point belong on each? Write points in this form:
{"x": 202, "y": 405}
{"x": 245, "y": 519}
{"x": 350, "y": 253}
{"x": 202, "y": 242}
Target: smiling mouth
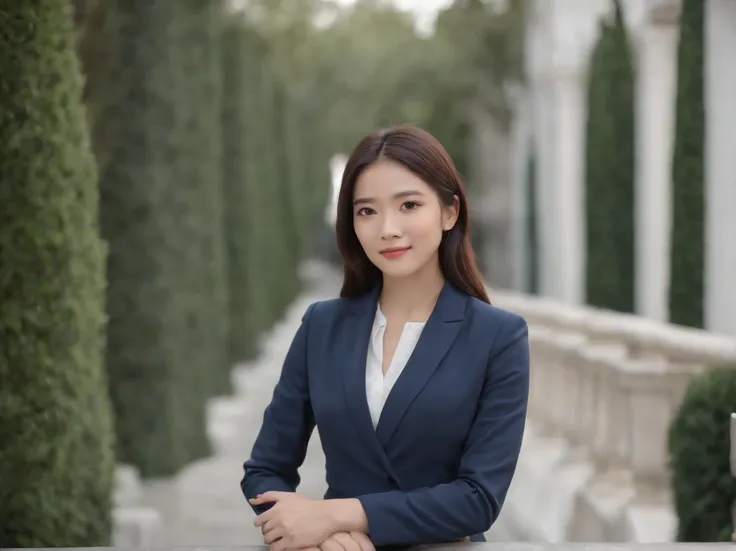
{"x": 394, "y": 252}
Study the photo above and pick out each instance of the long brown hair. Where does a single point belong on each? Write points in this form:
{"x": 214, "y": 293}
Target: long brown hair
{"x": 422, "y": 154}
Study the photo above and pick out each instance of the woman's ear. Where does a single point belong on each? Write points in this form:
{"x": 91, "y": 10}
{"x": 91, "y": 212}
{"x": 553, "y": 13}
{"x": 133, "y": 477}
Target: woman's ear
{"x": 450, "y": 214}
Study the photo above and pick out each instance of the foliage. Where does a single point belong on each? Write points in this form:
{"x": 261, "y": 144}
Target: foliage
{"x": 154, "y": 217}
{"x": 56, "y": 457}
{"x": 200, "y": 163}
{"x": 609, "y": 170}
{"x": 699, "y": 448}
{"x": 242, "y": 262}
{"x": 276, "y": 185}
{"x": 687, "y": 267}
{"x": 352, "y": 71}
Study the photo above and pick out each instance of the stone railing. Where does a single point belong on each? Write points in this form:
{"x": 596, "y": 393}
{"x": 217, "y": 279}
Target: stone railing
{"x": 466, "y": 546}
{"x": 604, "y": 389}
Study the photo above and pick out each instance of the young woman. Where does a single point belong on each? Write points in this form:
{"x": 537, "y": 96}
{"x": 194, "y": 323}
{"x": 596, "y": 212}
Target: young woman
{"x": 417, "y": 384}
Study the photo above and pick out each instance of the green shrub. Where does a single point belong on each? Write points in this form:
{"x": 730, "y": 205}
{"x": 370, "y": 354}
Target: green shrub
{"x": 699, "y": 448}
{"x": 687, "y": 267}
{"x": 56, "y": 437}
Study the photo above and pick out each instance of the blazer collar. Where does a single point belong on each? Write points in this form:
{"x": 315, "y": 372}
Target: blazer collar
{"x": 450, "y": 304}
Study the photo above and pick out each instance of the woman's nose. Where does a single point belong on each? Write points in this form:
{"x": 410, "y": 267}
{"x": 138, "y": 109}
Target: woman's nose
{"x": 390, "y": 227}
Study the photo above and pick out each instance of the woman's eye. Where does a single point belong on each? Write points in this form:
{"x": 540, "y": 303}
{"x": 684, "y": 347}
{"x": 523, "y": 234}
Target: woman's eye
{"x": 410, "y": 205}
{"x": 364, "y": 211}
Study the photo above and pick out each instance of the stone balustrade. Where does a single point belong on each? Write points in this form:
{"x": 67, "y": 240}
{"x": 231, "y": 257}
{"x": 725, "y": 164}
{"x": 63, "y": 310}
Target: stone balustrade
{"x": 604, "y": 388}
{"x": 465, "y": 546}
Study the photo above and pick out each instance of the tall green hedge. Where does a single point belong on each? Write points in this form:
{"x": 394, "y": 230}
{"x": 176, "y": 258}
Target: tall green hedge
{"x": 687, "y": 268}
{"x": 703, "y": 488}
{"x": 56, "y": 438}
{"x": 274, "y": 219}
{"x": 238, "y": 202}
{"x": 276, "y": 179}
{"x": 152, "y": 220}
{"x": 609, "y": 171}
{"x": 201, "y": 177}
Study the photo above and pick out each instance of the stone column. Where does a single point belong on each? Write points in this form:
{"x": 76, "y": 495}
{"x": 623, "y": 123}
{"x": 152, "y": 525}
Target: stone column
{"x": 546, "y": 158}
{"x": 720, "y": 162}
{"x": 569, "y": 200}
{"x": 521, "y": 143}
{"x": 656, "y": 90}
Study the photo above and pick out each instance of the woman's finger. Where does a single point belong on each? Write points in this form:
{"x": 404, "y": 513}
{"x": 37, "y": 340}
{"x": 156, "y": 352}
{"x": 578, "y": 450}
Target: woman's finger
{"x": 363, "y": 541}
{"x": 331, "y": 544}
{"x": 347, "y": 542}
{"x": 272, "y": 535}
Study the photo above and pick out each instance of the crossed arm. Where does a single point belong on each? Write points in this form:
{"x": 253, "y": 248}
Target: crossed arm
{"x": 446, "y": 512}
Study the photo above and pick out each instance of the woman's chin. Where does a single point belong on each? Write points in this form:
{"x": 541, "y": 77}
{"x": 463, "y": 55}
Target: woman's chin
{"x": 400, "y": 268}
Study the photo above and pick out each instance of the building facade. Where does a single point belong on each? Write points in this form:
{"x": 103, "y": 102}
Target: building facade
{"x": 550, "y": 122}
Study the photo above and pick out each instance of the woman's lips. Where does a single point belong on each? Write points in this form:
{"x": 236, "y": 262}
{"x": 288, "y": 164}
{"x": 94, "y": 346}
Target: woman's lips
{"x": 394, "y": 252}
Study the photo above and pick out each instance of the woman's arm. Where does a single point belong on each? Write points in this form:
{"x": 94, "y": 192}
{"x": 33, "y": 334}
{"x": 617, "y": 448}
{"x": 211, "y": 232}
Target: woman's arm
{"x": 288, "y": 422}
{"x": 471, "y": 503}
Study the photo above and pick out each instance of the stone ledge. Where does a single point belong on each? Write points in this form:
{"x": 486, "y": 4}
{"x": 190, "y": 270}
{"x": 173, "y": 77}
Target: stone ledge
{"x": 462, "y": 546}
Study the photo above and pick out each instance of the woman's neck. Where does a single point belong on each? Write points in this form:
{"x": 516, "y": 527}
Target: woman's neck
{"x": 412, "y": 298}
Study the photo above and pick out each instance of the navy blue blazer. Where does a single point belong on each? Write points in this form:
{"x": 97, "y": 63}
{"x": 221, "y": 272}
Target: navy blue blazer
{"x": 439, "y": 463}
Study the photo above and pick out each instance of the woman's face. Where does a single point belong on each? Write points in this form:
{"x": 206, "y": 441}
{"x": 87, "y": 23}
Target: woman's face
{"x": 399, "y": 218}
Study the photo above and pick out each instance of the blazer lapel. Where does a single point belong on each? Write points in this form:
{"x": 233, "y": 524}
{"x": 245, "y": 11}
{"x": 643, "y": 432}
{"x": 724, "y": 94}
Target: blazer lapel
{"x": 437, "y": 337}
{"x": 356, "y": 338}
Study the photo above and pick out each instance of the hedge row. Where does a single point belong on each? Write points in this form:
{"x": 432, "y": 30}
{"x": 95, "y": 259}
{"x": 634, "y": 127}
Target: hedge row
{"x": 277, "y": 184}
{"x": 154, "y": 209}
{"x": 609, "y": 170}
{"x": 206, "y": 202}
{"x": 56, "y": 438}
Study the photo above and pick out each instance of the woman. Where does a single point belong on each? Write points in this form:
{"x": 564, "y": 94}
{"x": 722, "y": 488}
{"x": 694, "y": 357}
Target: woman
{"x": 418, "y": 385}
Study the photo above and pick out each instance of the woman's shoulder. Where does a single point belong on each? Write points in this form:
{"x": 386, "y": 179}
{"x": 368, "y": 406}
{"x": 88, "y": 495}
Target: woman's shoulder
{"x": 493, "y": 317}
{"x": 323, "y": 311}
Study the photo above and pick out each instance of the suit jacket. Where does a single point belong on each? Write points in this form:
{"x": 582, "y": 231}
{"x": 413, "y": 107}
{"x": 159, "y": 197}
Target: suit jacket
{"x": 439, "y": 463}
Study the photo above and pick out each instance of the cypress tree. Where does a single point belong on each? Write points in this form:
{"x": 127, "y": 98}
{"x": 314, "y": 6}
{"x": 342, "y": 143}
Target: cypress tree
{"x": 610, "y": 166}
{"x": 149, "y": 217}
{"x": 239, "y": 209}
{"x": 201, "y": 179}
{"x": 56, "y": 438}
{"x": 687, "y": 268}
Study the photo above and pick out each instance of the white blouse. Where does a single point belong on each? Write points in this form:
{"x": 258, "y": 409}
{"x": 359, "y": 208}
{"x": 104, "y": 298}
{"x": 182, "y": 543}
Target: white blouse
{"x": 377, "y": 385}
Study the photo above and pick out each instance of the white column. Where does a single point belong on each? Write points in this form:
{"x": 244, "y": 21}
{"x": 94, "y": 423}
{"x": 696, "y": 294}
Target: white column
{"x": 720, "y": 225}
{"x": 520, "y": 147}
{"x": 547, "y": 221}
{"x": 655, "y": 118}
{"x": 569, "y": 203}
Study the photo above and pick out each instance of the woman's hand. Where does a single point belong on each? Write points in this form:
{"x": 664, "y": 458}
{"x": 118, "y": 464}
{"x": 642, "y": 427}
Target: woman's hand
{"x": 294, "y": 521}
{"x": 347, "y": 541}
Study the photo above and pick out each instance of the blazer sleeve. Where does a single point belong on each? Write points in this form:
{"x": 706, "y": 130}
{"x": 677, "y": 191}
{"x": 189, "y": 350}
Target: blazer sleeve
{"x": 288, "y": 421}
{"x": 471, "y": 503}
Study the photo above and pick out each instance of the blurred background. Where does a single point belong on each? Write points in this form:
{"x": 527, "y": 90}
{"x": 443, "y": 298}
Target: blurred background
{"x": 168, "y": 174}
